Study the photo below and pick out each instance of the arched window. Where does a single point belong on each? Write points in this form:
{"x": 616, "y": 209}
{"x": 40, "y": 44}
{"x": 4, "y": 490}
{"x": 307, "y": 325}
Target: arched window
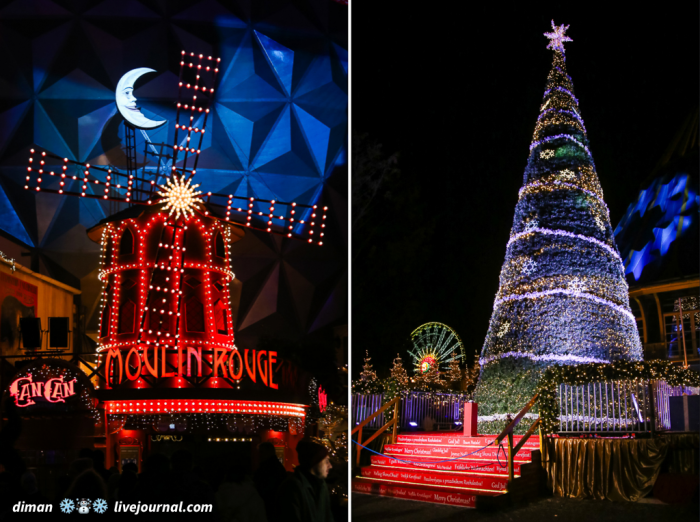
{"x": 220, "y": 247}
{"x": 195, "y": 244}
{"x": 194, "y": 312}
{"x": 126, "y": 317}
{"x": 221, "y": 317}
{"x": 126, "y": 243}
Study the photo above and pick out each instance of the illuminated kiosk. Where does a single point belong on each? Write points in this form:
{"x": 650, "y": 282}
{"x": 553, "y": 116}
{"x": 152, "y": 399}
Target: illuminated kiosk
{"x": 167, "y": 343}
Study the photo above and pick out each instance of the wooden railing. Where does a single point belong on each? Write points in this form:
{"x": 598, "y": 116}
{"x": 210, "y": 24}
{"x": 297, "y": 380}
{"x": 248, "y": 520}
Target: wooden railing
{"x": 395, "y": 403}
{"x": 508, "y": 432}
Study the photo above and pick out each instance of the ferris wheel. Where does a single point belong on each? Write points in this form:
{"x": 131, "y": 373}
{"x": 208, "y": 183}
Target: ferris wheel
{"x": 434, "y": 346}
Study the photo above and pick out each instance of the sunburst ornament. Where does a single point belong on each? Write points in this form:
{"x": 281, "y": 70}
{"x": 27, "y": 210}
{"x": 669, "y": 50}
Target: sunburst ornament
{"x": 557, "y": 38}
{"x": 180, "y": 197}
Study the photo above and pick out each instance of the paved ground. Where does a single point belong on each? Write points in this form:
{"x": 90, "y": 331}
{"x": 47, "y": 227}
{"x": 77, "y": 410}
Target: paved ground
{"x": 377, "y": 509}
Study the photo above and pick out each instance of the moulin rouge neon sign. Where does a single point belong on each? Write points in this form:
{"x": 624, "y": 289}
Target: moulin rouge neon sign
{"x": 27, "y": 392}
{"x": 188, "y": 361}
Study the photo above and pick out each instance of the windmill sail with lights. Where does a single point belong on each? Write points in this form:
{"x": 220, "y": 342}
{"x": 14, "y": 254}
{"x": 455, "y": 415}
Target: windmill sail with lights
{"x": 166, "y": 312}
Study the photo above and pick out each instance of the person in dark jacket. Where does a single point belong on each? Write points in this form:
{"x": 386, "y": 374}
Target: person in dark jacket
{"x": 304, "y": 497}
{"x": 269, "y": 476}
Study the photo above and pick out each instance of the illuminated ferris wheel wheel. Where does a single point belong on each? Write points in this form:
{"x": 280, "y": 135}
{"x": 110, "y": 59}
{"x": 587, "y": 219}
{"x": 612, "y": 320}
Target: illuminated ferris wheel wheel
{"x": 434, "y": 346}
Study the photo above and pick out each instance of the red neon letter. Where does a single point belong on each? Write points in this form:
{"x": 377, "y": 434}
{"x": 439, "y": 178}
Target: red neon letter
{"x": 272, "y": 360}
{"x": 245, "y": 358}
{"x": 153, "y": 370}
{"x": 163, "y": 374}
{"x": 198, "y": 357}
{"x": 238, "y": 375}
{"x": 219, "y": 359}
{"x": 68, "y": 388}
{"x": 57, "y": 390}
{"x": 129, "y": 375}
{"x": 112, "y": 354}
{"x": 263, "y": 375}
{"x": 25, "y": 393}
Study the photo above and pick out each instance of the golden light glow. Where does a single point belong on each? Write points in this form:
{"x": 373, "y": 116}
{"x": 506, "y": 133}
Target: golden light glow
{"x": 180, "y": 197}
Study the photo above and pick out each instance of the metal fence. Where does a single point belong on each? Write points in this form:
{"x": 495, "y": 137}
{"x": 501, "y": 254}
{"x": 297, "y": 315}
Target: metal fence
{"x": 619, "y": 406}
{"x": 365, "y": 405}
{"x": 662, "y": 391}
{"x": 444, "y": 409}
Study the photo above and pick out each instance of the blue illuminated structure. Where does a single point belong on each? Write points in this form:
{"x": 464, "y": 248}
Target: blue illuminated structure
{"x": 278, "y": 130}
{"x": 674, "y": 203}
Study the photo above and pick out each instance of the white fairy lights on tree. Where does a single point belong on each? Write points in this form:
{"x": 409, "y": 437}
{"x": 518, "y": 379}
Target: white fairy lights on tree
{"x": 398, "y": 372}
{"x": 562, "y": 297}
{"x": 368, "y": 374}
{"x": 454, "y": 372}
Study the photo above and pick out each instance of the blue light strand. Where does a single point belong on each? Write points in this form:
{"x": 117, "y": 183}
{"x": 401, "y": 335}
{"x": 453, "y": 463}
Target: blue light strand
{"x": 562, "y": 89}
{"x": 563, "y": 111}
{"x": 558, "y": 136}
{"x": 563, "y": 358}
{"x": 573, "y": 293}
{"x": 566, "y": 233}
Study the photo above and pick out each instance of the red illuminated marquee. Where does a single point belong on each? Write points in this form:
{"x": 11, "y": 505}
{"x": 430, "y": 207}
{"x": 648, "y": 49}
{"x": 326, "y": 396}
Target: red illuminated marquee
{"x": 204, "y": 406}
{"x": 27, "y": 392}
{"x": 190, "y": 362}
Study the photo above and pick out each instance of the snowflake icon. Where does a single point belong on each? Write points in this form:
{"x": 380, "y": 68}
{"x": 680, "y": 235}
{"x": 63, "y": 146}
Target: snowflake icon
{"x": 67, "y": 505}
{"x": 529, "y": 266}
{"x": 576, "y": 285}
{"x": 567, "y": 175}
{"x": 100, "y": 506}
{"x": 531, "y": 225}
{"x": 599, "y": 223}
{"x": 504, "y": 329}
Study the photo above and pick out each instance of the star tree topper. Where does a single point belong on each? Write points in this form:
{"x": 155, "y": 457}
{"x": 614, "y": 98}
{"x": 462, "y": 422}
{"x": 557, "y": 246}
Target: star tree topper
{"x": 557, "y": 38}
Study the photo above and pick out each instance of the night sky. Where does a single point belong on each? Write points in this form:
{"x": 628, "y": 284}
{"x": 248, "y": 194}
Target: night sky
{"x": 456, "y": 95}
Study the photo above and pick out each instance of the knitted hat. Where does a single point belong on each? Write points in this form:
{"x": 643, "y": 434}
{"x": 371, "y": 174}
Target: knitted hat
{"x": 310, "y": 453}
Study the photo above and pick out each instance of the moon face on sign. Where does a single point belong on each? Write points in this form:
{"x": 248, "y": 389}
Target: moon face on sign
{"x": 126, "y": 102}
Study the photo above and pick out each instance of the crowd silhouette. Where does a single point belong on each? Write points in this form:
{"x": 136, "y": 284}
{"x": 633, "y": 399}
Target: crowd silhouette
{"x": 268, "y": 494}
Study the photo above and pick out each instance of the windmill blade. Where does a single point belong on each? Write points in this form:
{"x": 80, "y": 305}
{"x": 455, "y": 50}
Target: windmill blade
{"x": 45, "y": 169}
{"x": 278, "y": 217}
{"x": 189, "y": 106}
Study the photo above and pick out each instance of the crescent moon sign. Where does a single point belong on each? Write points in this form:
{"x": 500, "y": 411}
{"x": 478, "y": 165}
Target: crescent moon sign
{"x": 126, "y": 102}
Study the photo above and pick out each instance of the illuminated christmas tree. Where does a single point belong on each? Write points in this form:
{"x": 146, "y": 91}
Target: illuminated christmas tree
{"x": 398, "y": 372}
{"x": 471, "y": 376}
{"x": 431, "y": 377}
{"x": 562, "y": 298}
{"x": 368, "y": 374}
{"x": 454, "y": 372}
